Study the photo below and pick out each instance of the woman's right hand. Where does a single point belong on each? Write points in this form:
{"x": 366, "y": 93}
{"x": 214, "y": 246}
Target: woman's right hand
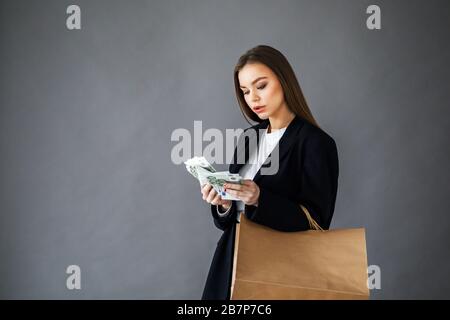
{"x": 211, "y": 196}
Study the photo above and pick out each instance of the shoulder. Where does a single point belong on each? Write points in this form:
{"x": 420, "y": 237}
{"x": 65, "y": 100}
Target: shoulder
{"x": 318, "y": 151}
{"x": 316, "y": 139}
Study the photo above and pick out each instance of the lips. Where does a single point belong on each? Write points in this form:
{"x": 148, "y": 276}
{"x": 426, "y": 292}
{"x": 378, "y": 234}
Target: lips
{"x": 258, "y": 109}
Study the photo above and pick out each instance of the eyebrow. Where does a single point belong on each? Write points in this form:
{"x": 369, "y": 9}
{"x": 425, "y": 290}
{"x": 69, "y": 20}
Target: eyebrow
{"x": 263, "y": 77}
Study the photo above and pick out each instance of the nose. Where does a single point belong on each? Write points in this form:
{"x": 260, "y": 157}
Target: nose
{"x": 253, "y": 96}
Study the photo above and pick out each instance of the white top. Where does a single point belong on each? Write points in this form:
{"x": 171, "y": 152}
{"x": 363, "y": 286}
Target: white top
{"x": 267, "y": 143}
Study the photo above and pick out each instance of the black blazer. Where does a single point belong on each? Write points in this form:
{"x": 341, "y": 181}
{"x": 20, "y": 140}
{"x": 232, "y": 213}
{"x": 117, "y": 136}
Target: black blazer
{"x": 307, "y": 174}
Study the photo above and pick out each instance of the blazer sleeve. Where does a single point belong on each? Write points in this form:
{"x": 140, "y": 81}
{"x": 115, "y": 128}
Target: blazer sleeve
{"x": 318, "y": 178}
{"x": 225, "y": 221}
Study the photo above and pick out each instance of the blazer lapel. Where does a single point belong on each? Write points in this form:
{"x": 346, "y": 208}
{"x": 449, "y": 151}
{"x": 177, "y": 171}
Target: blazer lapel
{"x": 243, "y": 146}
{"x": 283, "y": 146}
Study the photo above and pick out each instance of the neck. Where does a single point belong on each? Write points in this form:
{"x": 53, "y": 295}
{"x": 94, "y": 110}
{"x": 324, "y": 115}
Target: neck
{"x": 281, "y": 120}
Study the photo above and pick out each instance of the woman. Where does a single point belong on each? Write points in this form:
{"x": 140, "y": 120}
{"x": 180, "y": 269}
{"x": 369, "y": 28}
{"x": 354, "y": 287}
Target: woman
{"x": 268, "y": 92}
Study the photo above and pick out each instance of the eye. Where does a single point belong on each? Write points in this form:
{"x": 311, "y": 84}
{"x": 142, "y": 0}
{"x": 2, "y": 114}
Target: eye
{"x": 262, "y": 86}
{"x": 259, "y": 88}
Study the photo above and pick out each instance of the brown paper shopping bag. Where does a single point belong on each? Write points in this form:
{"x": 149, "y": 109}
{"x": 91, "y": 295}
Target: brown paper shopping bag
{"x": 315, "y": 264}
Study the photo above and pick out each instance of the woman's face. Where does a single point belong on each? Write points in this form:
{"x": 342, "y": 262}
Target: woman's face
{"x": 262, "y": 90}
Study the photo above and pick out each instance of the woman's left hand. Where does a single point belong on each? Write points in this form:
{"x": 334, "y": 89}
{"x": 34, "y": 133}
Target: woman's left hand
{"x": 248, "y": 191}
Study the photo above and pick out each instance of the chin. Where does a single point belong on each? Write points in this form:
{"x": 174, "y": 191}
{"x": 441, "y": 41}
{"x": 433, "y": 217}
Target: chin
{"x": 263, "y": 116}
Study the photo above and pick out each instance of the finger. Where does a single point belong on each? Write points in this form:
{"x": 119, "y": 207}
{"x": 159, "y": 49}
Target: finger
{"x": 250, "y": 186}
{"x": 211, "y": 195}
{"x": 217, "y": 200}
{"x": 206, "y": 186}
{"x": 238, "y": 194}
{"x": 234, "y": 186}
{"x": 205, "y": 190}
{"x": 242, "y": 192}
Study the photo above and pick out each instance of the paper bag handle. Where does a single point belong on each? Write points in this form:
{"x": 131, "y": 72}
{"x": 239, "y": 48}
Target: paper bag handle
{"x": 312, "y": 223}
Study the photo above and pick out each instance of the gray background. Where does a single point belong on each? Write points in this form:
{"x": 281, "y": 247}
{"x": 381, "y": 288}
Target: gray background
{"x": 86, "y": 176}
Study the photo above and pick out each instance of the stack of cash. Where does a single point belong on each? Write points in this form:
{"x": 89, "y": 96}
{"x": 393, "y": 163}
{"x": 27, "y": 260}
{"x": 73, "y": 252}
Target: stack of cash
{"x": 204, "y": 172}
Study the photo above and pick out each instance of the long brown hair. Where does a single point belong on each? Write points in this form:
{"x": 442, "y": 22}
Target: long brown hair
{"x": 278, "y": 63}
